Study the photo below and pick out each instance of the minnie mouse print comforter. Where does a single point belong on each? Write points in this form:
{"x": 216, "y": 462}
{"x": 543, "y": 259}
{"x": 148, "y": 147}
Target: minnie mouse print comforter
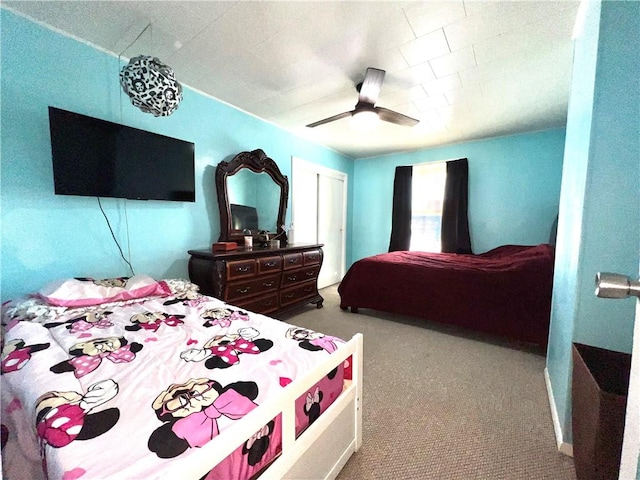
{"x": 121, "y": 385}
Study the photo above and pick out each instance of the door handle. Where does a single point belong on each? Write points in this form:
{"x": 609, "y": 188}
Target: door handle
{"x": 614, "y": 285}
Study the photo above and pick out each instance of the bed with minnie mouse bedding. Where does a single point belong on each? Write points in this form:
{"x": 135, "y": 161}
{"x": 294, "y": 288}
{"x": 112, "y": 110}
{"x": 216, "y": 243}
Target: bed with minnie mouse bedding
{"x": 135, "y": 378}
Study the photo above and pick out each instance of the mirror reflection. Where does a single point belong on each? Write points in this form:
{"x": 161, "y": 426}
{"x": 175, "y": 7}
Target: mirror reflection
{"x": 252, "y": 194}
{"x": 254, "y": 199}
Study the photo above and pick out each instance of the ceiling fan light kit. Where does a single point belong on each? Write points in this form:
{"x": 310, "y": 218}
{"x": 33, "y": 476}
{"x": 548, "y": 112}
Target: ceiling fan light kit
{"x": 365, "y": 118}
{"x": 368, "y": 92}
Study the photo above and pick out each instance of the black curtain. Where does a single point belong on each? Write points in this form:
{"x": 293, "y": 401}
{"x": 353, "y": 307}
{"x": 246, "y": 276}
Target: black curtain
{"x": 401, "y": 216}
{"x": 455, "y": 223}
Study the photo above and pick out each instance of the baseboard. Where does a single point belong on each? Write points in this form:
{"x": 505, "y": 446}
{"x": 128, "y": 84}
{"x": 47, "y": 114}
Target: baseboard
{"x": 563, "y": 447}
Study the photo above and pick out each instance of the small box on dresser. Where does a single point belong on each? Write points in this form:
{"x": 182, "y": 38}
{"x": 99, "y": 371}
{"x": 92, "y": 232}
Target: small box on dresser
{"x": 262, "y": 280}
{"x": 224, "y": 246}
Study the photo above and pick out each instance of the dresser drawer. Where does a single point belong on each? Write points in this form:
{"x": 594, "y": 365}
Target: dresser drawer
{"x": 300, "y": 275}
{"x": 292, "y": 260}
{"x": 295, "y": 294}
{"x": 264, "y": 304}
{"x": 241, "y": 269}
{"x": 311, "y": 258}
{"x": 251, "y": 287}
{"x": 269, "y": 264}
{"x": 268, "y": 281}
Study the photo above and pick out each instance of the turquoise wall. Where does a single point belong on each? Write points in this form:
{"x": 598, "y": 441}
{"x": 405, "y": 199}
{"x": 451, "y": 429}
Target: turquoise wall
{"x": 45, "y": 236}
{"x": 613, "y": 180}
{"x": 599, "y": 223}
{"x": 514, "y": 190}
{"x": 569, "y": 240}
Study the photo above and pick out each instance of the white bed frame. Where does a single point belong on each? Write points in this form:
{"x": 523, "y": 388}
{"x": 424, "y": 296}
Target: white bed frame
{"x": 320, "y": 452}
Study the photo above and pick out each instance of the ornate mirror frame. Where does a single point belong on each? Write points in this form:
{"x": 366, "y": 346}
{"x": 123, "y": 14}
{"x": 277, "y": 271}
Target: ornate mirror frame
{"x": 258, "y": 162}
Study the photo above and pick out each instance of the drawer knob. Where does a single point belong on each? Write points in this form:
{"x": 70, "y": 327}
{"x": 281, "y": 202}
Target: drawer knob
{"x": 293, "y": 260}
{"x": 292, "y": 279}
{"x": 270, "y": 284}
{"x": 310, "y": 274}
{"x": 242, "y": 269}
{"x": 244, "y": 290}
{"x": 270, "y": 264}
{"x": 289, "y": 295}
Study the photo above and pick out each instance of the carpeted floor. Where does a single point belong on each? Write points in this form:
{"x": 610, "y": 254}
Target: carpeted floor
{"x": 444, "y": 403}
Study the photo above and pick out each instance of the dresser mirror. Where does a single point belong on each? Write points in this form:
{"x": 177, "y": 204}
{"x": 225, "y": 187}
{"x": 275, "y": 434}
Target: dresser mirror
{"x": 252, "y": 195}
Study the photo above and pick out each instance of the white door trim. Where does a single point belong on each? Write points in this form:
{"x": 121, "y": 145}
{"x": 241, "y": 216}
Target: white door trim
{"x": 631, "y": 441}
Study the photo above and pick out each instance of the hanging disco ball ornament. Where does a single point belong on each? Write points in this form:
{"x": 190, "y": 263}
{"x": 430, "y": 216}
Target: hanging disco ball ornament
{"x": 151, "y": 85}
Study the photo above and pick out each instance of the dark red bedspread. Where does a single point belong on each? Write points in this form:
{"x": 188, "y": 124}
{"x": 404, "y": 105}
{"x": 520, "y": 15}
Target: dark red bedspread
{"x": 506, "y": 291}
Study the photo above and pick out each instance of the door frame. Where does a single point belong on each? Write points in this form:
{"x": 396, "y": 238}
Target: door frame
{"x": 299, "y": 163}
{"x": 630, "y": 457}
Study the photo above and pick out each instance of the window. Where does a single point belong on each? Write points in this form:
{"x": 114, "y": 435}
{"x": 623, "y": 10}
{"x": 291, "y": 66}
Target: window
{"x": 427, "y": 188}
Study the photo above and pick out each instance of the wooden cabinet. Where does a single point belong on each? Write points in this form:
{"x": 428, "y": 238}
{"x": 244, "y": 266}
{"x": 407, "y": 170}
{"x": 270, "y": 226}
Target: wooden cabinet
{"x": 263, "y": 280}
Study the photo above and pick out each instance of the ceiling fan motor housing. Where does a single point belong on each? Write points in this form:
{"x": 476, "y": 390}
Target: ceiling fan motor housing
{"x": 364, "y": 107}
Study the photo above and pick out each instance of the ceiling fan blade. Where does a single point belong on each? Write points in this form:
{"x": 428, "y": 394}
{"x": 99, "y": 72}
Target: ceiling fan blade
{"x": 371, "y": 84}
{"x": 330, "y": 119}
{"x": 395, "y": 117}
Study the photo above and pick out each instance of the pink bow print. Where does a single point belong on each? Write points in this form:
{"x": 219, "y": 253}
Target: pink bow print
{"x": 88, "y": 363}
{"x": 83, "y": 325}
{"x": 198, "y": 428}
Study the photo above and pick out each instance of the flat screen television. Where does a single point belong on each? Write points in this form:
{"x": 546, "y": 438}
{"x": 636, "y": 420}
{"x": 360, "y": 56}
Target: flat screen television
{"x": 244, "y": 217}
{"x": 98, "y": 158}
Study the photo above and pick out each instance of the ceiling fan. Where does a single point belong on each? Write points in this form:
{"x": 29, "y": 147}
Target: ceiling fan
{"x": 367, "y": 97}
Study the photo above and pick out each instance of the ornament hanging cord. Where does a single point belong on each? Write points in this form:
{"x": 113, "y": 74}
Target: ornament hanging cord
{"x": 149, "y": 26}
{"x": 126, "y": 260}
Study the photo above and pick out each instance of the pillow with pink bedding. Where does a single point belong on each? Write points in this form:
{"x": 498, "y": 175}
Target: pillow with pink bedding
{"x": 84, "y": 292}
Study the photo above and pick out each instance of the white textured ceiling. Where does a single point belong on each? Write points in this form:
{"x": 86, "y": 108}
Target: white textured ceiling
{"x": 465, "y": 69}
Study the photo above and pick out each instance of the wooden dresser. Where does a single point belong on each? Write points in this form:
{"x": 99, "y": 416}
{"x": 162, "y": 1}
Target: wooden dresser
{"x": 263, "y": 280}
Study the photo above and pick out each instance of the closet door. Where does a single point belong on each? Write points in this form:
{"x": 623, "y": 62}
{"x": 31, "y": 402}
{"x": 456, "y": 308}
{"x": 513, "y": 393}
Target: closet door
{"x": 304, "y": 206}
{"x": 331, "y": 228}
{"x": 319, "y": 215}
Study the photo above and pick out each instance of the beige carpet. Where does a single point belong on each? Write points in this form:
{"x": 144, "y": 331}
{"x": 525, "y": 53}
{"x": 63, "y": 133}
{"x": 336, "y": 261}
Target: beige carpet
{"x": 443, "y": 403}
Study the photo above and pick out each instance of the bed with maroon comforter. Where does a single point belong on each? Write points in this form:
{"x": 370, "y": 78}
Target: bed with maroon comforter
{"x": 505, "y": 291}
